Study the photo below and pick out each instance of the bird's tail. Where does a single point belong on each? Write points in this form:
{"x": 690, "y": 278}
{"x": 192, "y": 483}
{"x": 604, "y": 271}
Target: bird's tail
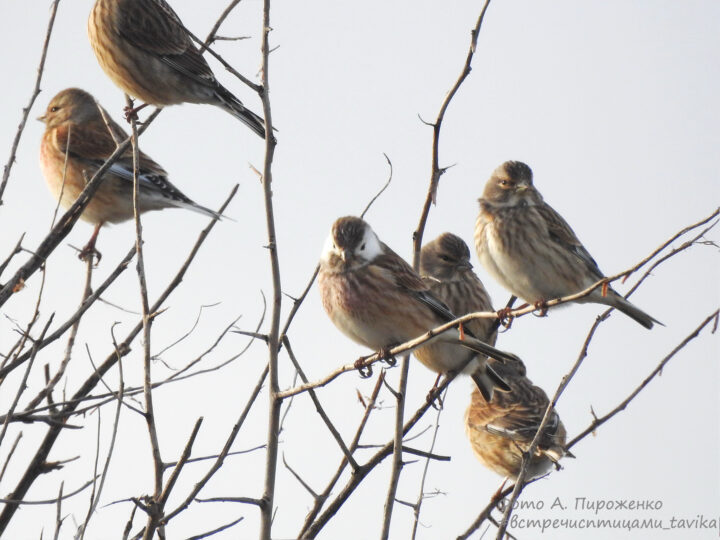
{"x": 483, "y": 348}
{"x": 234, "y": 106}
{"x": 190, "y": 205}
{"x": 618, "y": 302}
{"x": 487, "y": 380}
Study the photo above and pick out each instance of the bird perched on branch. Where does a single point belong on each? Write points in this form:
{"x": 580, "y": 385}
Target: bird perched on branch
{"x": 374, "y": 297}
{"x": 144, "y": 48}
{"x": 531, "y": 250}
{"x": 501, "y": 430}
{"x": 77, "y": 142}
{"x": 447, "y": 261}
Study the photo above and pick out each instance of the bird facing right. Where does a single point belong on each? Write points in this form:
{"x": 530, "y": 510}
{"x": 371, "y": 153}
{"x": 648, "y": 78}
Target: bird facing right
{"x": 531, "y": 250}
{"x": 502, "y": 429}
{"x": 144, "y": 48}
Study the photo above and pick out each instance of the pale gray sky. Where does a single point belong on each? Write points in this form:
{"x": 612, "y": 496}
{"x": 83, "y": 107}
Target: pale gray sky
{"x": 613, "y": 104}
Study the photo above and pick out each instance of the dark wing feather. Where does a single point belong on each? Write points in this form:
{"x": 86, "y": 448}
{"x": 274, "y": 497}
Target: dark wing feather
{"x": 561, "y": 232}
{"x": 153, "y": 26}
{"x": 410, "y": 281}
{"x": 523, "y": 410}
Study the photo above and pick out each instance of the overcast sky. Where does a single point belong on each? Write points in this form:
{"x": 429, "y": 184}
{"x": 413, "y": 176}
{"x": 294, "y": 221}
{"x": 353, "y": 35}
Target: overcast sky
{"x": 613, "y": 104}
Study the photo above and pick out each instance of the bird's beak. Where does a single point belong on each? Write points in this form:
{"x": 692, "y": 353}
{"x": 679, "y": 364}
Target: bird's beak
{"x": 42, "y": 118}
{"x": 520, "y": 188}
{"x": 343, "y": 255}
{"x": 466, "y": 265}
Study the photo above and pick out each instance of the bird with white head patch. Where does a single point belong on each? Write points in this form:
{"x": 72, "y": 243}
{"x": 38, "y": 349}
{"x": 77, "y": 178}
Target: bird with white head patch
{"x": 374, "y": 297}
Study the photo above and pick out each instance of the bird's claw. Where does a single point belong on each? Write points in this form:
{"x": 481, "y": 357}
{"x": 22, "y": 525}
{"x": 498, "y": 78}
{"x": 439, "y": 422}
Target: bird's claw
{"x": 504, "y": 317}
{"x": 541, "y": 307}
{"x": 131, "y": 113}
{"x": 364, "y": 370}
{"x": 434, "y": 395}
{"x": 385, "y": 356}
{"x": 88, "y": 253}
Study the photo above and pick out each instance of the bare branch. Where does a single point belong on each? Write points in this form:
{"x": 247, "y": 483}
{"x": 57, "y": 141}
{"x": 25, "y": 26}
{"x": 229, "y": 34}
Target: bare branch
{"x": 33, "y": 97}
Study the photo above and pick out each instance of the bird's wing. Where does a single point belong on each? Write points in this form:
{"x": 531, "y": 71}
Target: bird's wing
{"x": 406, "y": 279}
{"x": 523, "y": 410}
{"x": 153, "y": 26}
{"x": 561, "y": 232}
{"x": 92, "y": 144}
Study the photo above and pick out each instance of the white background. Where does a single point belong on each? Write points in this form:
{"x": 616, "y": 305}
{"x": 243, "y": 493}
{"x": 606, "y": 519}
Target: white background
{"x": 613, "y": 104}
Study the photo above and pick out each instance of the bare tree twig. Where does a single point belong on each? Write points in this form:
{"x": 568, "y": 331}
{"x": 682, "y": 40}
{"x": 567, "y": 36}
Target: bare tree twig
{"x": 312, "y": 530}
{"x": 75, "y": 317}
{"x": 322, "y": 497}
{"x": 37, "y": 466}
{"x": 49, "y": 501}
{"x": 597, "y": 422}
{"x": 382, "y": 189}
{"x": 33, "y": 97}
{"x": 226, "y": 449}
{"x": 219, "y": 529}
{"x": 66, "y": 222}
{"x": 318, "y": 407}
{"x": 266, "y": 509}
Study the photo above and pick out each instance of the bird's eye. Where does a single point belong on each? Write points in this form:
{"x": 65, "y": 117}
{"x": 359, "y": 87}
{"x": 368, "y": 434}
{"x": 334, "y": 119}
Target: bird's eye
{"x": 445, "y": 258}
{"x": 54, "y": 109}
{"x": 362, "y": 248}
{"x": 504, "y": 182}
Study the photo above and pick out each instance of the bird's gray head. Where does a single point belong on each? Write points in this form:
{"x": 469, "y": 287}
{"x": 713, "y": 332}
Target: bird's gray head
{"x": 511, "y": 184}
{"x": 445, "y": 258}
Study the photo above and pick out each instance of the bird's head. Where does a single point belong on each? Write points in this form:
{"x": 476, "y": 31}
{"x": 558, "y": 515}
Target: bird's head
{"x": 511, "y": 184}
{"x": 352, "y": 243}
{"x": 445, "y": 258}
{"x": 70, "y": 105}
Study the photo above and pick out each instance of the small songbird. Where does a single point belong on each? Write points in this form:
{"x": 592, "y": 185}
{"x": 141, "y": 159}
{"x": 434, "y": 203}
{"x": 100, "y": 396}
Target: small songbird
{"x": 531, "y": 250}
{"x": 501, "y": 429}
{"x": 374, "y": 297}
{"x": 77, "y": 142}
{"x": 144, "y": 48}
{"x": 447, "y": 261}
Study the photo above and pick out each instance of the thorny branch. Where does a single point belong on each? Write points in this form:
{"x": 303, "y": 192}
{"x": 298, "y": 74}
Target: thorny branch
{"x": 33, "y": 97}
{"x": 597, "y": 422}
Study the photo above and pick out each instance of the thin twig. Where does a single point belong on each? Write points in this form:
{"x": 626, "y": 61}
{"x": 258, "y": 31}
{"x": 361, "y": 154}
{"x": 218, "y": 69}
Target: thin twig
{"x": 33, "y": 97}
{"x": 266, "y": 509}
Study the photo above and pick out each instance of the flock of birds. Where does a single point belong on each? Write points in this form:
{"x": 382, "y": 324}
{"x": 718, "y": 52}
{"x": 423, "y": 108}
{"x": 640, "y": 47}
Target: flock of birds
{"x": 369, "y": 292}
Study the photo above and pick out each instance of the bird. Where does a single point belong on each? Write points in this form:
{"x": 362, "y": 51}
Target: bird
{"x": 77, "y": 142}
{"x": 145, "y": 49}
{"x": 446, "y": 260}
{"x": 376, "y": 299}
{"x": 500, "y": 430}
{"x": 532, "y": 251}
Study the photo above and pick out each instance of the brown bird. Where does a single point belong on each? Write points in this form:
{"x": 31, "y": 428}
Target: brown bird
{"x": 501, "y": 429}
{"x": 531, "y": 250}
{"x": 77, "y": 140}
{"x": 447, "y": 261}
{"x": 374, "y": 297}
{"x": 144, "y": 48}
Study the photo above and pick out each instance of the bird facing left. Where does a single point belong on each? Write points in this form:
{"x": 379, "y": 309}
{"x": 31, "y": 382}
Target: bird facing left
{"x": 77, "y": 142}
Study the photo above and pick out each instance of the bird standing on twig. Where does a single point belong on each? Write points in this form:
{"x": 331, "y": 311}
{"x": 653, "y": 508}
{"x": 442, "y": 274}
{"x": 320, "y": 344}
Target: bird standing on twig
{"x": 77, "y": 142}
{"x": 144, "y": 48}
{"x": 531, "y": 250}
{"x": 447, "y": 261}
{"x": 374, "y": 297}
